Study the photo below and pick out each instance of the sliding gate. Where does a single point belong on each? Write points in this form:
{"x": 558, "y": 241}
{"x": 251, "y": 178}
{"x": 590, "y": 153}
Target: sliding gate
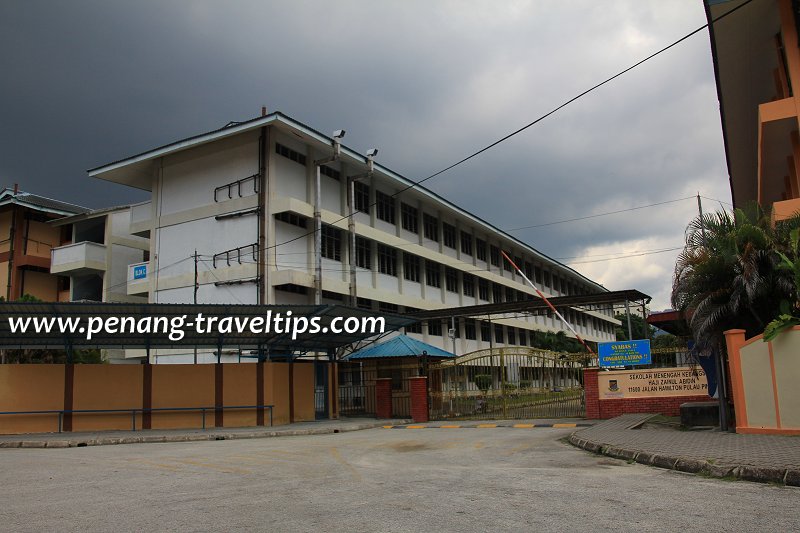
{"x": 507, "y": 383}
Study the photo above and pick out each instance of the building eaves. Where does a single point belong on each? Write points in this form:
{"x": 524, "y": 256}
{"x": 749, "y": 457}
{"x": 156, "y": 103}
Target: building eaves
{"x": 279, "y": 117}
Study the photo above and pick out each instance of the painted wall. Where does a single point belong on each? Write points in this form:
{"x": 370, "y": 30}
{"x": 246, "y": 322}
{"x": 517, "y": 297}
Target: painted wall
{"x": 764, "y": 378}
{"x": 38, "y": 387}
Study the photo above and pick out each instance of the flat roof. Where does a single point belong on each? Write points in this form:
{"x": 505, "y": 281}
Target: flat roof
{"x": 275, "y": 342}
{"x": 536, "y": 304}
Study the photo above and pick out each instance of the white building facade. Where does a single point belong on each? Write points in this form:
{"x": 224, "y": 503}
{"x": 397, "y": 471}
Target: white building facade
{"x": 232, "y": 219}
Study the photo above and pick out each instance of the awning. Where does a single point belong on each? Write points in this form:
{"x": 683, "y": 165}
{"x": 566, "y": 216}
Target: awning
{"x": 400, "y": 346}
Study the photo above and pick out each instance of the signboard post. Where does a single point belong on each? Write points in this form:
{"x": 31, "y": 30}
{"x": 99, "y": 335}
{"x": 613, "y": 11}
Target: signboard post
{"x": 624, "y": 353}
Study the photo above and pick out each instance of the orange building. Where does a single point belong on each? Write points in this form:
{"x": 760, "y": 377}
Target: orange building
{"x": 757, "y": 67}
{"x": 26, "y": 240}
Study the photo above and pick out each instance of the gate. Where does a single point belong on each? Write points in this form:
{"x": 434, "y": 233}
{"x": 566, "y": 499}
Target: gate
{"x": 507, "y": 383}
{"x": 357, "y": 385}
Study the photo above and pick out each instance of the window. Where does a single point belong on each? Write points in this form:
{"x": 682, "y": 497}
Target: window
{"x": 384, "y": 205}
{"x": 385, "y": 307}
{"x": 483, "y": 289}
{"x": 547, "y": 279}
{"x": 522, "y": 341}
{"x": 537, "y": 271}
{"x": 413, "y": 328}
{"x": 449, "y": 235}
{"x": 430, "y": 226}
{"x": 486, "y": 332}
{"x": 507, "y": 265}
{"x": 432, "y": 274}
{"x": 363, "y": 253}
{"x": 331, "y": 243}
{"x": 469, "y": 330}
{"x": 451, "y": 279}
{"x": 528, "y": 270}
{"x": 466, "y": 243}
{"x": 512, "y": 336}
{"x": 364, "y": 303}
{"x": 498, "y": 333}
{"x": 289, "y": 287}
{"x": 469, "y": 284}
{"x": 480, "y": 249}
{"x": 333, "y": 296}
{"x": 387, "y": 260}
{"x": 511, "y": 294}
{"x": 494, "y": 255}
{"x": 411, "y": 267}
{"x": 408, "y": 216}
{"x": 292, "y": 218}
{"x": 288, "y": 153}
{"x": 435, "y": 328}
{"x": 497, "y": 293}
{"x": 361, "y": 192}
{"x": 330, "y": 172}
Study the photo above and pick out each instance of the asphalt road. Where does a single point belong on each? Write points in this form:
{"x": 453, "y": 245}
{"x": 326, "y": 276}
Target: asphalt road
{"x": 501, "y": 479}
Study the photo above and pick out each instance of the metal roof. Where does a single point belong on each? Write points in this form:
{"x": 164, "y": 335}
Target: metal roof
{"x": 40, "y": 203}
{"x": 400, "y": 346}
{"x": 536, "y": 304}
{"x": 279, "y": 119}
{"x": 274, "y": 341}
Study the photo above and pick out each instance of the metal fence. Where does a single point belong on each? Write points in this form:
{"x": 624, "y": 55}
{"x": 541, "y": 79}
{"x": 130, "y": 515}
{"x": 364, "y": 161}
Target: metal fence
{"x": 357, "y": 386}
{"x": 510, "y": 383}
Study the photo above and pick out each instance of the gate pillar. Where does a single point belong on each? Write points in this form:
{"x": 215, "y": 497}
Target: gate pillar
{"x": 419, "y": 398}
{"x": 383, "y": 398}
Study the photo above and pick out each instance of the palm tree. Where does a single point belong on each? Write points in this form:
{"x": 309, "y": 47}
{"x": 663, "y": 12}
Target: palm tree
{"x": 727, "y": 276}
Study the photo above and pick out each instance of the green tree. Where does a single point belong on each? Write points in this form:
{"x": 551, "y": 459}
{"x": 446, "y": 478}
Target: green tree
{"x": 728, "y": 276}
{"x": 639, "y": 328}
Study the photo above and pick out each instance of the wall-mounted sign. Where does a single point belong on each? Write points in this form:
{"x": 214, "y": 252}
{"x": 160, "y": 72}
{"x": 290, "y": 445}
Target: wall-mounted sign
{"x": 140, "y": 272}
{"x": 624, "y": 353}
{"x": 656, "y": 382}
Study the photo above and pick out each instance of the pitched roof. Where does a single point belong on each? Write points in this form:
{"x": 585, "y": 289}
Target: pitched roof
{"x": 400, "y": 346}
{"x": 39, "y": 203}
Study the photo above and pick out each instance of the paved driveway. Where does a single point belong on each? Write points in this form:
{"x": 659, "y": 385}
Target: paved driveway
{"x": 479, "y": 479}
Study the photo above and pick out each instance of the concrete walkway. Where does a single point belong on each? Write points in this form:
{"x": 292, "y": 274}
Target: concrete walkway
{"x": 101, "y": 438}
{"x": 764, "y": 458}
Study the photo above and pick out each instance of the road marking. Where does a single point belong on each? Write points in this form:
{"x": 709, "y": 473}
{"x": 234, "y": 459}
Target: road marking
{"x": 524, "y": 425}
{"x": 565, "y": 425}
{"x": 416, "y": 427}
{"x": 487, "y": 425}
{"x": 450, "y": 427}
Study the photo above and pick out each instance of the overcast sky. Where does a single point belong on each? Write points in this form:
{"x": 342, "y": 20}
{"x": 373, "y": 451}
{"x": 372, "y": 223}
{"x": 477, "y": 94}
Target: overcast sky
{"x": 85, "y": 83}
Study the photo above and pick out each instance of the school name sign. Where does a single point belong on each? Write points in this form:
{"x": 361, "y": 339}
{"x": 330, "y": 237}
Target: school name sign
{"x": 624, "y": 353}
{"x": 659, "y": 382}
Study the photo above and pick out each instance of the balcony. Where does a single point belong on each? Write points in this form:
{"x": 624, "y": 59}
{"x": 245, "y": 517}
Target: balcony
{"x": 78, "y": 259}
{"x": 139, "y": 279}
{"x": 141, "y": 214}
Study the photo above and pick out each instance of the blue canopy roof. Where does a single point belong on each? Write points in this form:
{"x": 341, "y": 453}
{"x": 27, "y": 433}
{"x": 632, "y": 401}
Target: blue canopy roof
{"x": 400, "y": 346}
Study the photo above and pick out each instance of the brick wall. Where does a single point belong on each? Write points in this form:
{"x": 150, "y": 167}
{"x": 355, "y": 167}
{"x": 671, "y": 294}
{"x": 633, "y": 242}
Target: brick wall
{"x": 383, "y": 398}
{"x": 419, "y": 399}
{"x": 604, "y": 409}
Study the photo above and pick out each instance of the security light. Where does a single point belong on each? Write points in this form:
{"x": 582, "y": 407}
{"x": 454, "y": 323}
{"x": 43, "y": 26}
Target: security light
{"x": 372, "y": 152}
{"x": 338, "y": 134}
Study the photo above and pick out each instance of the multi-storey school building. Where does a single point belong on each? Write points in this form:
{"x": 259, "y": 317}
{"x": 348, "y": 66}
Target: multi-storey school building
{"x": 232, "y": 219}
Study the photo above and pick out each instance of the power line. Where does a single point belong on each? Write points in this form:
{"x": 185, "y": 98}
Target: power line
{"x": 533, "y": 123}
{"x": 626, "y": 256}
{"x": 603, "y": 214}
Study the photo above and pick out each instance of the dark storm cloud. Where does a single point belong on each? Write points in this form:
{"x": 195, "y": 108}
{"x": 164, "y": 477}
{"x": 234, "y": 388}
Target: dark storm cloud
{"x": 86, "y": 83}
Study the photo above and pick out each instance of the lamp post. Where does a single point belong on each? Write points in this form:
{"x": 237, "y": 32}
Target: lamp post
{"x": 337, "y": 136}
{"x": 351, "y": 222}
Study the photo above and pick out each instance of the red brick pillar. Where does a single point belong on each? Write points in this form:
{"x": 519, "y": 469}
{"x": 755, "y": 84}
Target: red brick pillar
{"x": 591, "y": 393}
{"x": 419, "y": 398}
{"x": 383, "y": 398}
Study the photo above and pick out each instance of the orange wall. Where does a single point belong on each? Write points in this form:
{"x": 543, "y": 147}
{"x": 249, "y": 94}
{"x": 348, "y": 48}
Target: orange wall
{"x": 183, "y": 386}
{"x": 30, "y": 388}
{"x": 239, "y": 388}
{"x": 43, "y": 286}
{"x": 276, "y": 393}
{"x": 106, "y": 387}
{"x": 303, "y": 392}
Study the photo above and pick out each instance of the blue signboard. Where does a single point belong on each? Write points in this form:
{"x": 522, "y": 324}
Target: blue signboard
{"x": 624, "y": 353}
{"x": 140, "y": 272}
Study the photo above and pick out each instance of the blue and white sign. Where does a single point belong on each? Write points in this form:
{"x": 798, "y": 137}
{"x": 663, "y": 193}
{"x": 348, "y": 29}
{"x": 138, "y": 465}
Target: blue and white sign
{"x": 624, "y": 353}
{"x": 140, "y": 272}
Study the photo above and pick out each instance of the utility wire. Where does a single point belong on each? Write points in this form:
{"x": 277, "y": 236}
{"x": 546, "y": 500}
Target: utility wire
{"x": 541, "y": 118}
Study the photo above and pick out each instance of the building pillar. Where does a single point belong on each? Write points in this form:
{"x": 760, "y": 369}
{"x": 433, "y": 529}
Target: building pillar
{"x": 591, "y": 393}
{"x": 419, "y": 398}
{"x": 383, "y": 398}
